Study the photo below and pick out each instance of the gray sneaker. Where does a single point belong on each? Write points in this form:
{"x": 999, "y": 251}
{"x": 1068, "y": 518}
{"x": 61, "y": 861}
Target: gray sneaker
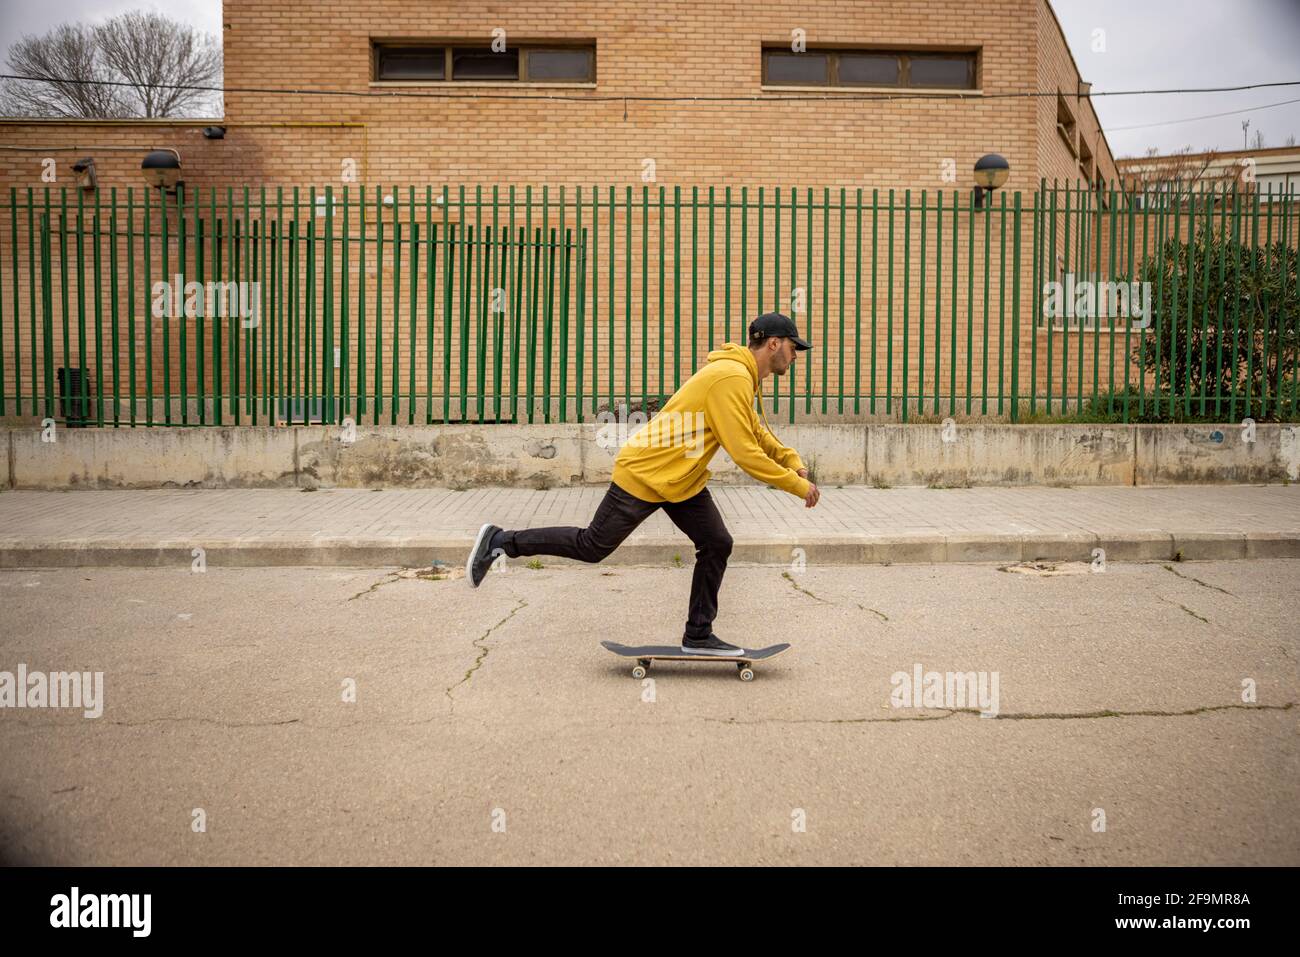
{"x": 481, "y": 555}
{"x": 712, "y": 645}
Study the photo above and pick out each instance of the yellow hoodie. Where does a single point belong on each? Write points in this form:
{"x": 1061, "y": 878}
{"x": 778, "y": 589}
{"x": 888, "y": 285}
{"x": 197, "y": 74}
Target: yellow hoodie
{"x": 667, "y": 459}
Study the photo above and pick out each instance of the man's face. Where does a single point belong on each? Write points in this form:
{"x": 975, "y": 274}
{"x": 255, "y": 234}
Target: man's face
{"x": 783, "y": 356}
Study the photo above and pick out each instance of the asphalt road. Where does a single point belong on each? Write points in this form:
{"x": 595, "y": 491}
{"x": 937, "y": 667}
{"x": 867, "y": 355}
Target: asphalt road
{"x": 490, "y": 727}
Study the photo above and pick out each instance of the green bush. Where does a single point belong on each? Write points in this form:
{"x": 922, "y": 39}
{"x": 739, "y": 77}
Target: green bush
{"x": 1243, "y": 362}
{"x": 1248, "y": 299}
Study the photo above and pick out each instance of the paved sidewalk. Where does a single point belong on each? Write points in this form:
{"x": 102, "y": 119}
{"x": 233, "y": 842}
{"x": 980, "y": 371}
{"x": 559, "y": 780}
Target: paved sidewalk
{"x": 854, "y": 524}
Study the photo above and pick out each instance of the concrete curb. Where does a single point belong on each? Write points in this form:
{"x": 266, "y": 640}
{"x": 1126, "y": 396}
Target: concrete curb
{"x": 422, "y": 552}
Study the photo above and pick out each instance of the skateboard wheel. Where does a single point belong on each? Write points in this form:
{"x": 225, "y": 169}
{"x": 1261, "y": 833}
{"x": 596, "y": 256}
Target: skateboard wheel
{"x": 746, "y": 674}
{"x": 638, "y": 672}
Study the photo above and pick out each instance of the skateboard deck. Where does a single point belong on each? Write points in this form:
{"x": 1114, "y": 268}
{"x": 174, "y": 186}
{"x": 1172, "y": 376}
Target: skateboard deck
{"x": 644, "y": 654}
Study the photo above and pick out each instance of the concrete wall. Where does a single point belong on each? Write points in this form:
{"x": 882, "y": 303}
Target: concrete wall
{"x": 550, "y": 456}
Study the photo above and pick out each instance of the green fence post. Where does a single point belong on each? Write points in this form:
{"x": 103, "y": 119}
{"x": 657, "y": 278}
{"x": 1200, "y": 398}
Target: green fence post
{"x": 1002, "y": 295}
{"x": 1208, "y": 232}
{"x": 809, "y": 360}
{"x": 907, "y": 290}
{"x": 875, "y": 249}
{"x": 677, "y": 290}
{"x": 662, "y": 221}
{"x": 564, "y": 325}
{"x": 99, "y": 320}
{"x": 549, "y": 319}
{"x": 841, "y": 343}
{"x": 1015, "y": 311}
{"x": 857, "y": 310}
{"x": 920, "y": 319}
{"x": 889, "y": 313}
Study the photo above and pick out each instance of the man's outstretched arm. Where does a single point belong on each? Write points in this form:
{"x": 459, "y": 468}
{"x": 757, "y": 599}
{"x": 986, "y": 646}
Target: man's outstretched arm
{"x": 782, "y": 454}
{"x": 730, "y": 417}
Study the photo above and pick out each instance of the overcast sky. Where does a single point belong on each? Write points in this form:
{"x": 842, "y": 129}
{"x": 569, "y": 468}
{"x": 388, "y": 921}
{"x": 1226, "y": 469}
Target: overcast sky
{"x": 1144, "y": 44}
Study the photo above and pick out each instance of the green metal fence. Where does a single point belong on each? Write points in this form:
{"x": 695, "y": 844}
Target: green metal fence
{"x": 495, "y": 304}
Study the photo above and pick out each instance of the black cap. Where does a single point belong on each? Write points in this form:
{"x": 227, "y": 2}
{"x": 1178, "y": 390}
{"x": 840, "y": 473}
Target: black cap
{"x": 774, "y": 324}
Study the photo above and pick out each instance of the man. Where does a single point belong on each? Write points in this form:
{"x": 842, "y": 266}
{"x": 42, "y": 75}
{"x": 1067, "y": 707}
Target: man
{"x": 665, "y": 465}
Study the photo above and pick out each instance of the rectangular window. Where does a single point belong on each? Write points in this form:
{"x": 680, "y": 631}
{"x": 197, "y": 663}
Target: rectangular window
{"x": 801, "y": 69}
{"x": 410, "y": 63}
{"x": 483, "y": 64}
{"x": 850, "y": 68}
{"x": 576, "y": 65}
{"x": 870, "y": 69}
{"x": 954, "y": 71}
{"x": 551, "y": 63}
{"x": 1065, "y": 124}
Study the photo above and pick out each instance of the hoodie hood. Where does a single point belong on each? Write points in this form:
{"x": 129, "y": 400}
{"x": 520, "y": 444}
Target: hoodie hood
{"x": 733, "y": 352}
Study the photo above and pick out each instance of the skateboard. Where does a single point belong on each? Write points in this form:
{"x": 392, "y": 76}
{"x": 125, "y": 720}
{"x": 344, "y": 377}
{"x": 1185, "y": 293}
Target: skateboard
{"x": 644, "y": 654}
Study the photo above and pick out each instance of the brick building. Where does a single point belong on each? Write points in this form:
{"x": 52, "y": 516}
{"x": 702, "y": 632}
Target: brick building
{"x": 781, "y": 121}
{"x": 648, "y": 127}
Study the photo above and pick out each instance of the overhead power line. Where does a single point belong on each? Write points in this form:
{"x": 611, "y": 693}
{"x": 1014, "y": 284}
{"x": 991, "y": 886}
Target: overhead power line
{"x": 636, "y": 98}
{"x": 1207, "y": 116}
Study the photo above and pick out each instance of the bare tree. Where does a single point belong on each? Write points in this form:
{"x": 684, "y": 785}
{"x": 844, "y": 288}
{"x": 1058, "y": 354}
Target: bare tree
{"x": 1173, "y": 172}
{"x": 1290, "y": 140}
{"x": 135, "y": 64}
{"x": 162, "y": 60}
{"x": 71, "y": 69}
{"x": 1257, "y": 142}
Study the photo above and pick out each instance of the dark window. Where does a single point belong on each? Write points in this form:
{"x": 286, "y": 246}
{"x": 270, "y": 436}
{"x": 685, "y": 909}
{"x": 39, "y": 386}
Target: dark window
{"x": 869, "y": 68}
{"x": 405, "y": 61}
{"x": 572, "y": 65}
{"x": 790, "y": 69}
{"x": 941, "y": 71}
{"x": 1065, "y": 124}
{"x": 410, "y": 63}
{"x": 474, "y": 64}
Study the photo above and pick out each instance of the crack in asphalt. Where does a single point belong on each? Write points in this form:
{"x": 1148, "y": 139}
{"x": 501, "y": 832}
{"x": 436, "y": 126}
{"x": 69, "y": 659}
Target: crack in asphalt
{"x": 220, "y": 724}
{"x": 882, "y": 615}
{"x": 392, "y": 577}
{"x": 1184, "y": 608}
{"x": 1192, "y": 578}
{"x": 170, "y": 718}
{"x": 483, "y": 651}
{"x": 423, "y": 574}
{"x": 786, "y": 576}
{"x": 1020, "y": 716}
{"x": 231, "y": 725}
{"x": 943, "y": 714}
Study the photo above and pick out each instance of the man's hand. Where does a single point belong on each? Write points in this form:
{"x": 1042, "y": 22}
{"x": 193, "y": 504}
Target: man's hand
{"x": 813, "y": 495}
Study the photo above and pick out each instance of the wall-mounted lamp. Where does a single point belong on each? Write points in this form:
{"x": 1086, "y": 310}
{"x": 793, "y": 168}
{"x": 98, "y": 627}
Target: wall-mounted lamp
{"x": 85, "y": 170}
{"x": 162, "y": 169}
{"x": 214, "y": 132}
{"x": 991, "y": 171}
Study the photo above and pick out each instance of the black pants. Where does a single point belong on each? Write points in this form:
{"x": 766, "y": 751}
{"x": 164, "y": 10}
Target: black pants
{"x": 620, "y": 512}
